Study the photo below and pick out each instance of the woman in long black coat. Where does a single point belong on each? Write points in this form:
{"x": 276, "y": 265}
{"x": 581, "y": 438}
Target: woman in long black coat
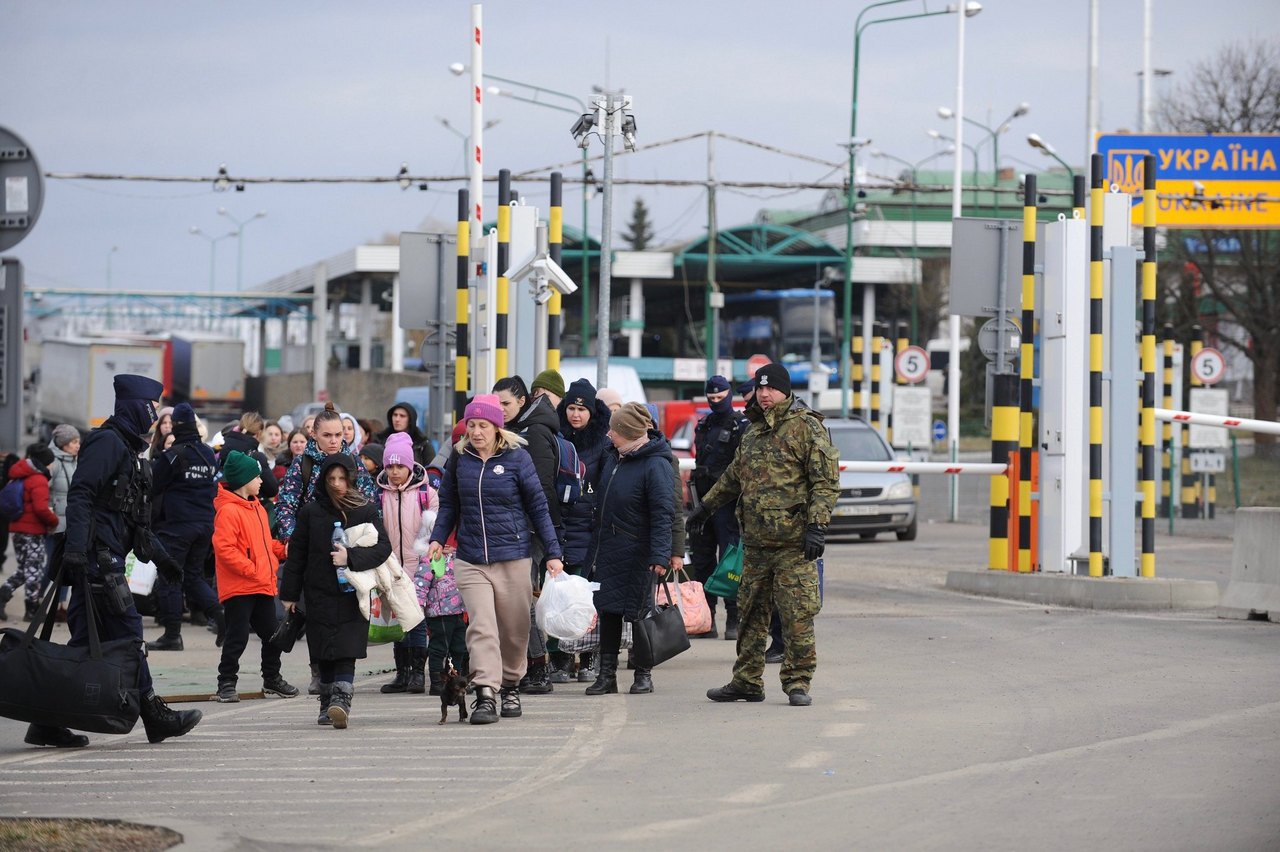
{"x": 337, "y": 632}
{"x": 635, "y": 508}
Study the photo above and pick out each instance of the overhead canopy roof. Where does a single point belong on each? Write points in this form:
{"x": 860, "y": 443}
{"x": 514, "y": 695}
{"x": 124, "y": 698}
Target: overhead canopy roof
{"x": 751, "y": 253}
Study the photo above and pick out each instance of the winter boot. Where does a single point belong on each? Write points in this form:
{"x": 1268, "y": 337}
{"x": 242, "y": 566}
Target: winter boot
{"x": 484, "y": 710}
{"x": 560, "y": 665}
{"x": 340, "y": 704}
{"x": 170, "y": 641}
{"x": 325, "y": 691}
{"x": 510, "y": 701}
{"x": 227, "y": 693}
{"x": 437, "y": 684}
{"x": 218, "y": 620}
{"x": 162, "y": 722}
{"x": 643, "y": 683}
{"x": 586, "y": 667}
{"x": 417, "y": 676}
{"x": 731, "y": 625}
{"x": 52, "y": 735}
{"x": 30, "y": 612}
{"x": 607, "y": 680}
{"x": 401, "y": 682}
{"x": 6, "y": 594}
{"x": 279, "y": 686}
{"x": 313, "y": 688}
{"x": 538, "y": 677}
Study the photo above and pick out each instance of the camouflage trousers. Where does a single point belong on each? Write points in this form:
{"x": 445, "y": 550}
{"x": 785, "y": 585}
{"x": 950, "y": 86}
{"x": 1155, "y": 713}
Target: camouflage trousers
{"x": 780, "y": 577}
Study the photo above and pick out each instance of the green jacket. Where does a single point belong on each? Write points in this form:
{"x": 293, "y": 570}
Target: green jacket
{"x": 785, "y": 476}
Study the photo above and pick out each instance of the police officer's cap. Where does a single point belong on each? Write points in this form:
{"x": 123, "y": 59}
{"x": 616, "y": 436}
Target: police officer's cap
{"x": 129, "y": 386}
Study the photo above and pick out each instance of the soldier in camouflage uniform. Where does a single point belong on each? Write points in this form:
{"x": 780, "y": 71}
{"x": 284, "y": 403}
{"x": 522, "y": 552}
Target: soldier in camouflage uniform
{"x": 786, "y": 478}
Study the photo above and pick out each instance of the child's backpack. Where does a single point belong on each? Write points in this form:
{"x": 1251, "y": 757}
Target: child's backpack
{"x": 570, "y": 471}
{"x": 11, "y": 500}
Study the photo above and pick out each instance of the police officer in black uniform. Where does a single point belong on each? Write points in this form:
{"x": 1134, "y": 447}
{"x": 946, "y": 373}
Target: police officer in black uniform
{"x": 108, "y": 514}
{"x": 716, "y": 439}
{"x": 184, "y": 483}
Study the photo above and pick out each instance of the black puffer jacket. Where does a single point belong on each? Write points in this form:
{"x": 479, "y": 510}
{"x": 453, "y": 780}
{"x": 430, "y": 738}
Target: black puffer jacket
{"x": 538, "y": 424}
{"x": 591, "y": 442}
{"x": 634, "y": 513}
{"x": 245, "y": 443}
{"x": 422, "y": 450}
{"x": 335, "y": 627}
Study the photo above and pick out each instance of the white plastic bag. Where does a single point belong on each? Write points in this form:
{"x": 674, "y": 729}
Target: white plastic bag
{"x": 141, "y": 575}
{"x": 566, "y": 609}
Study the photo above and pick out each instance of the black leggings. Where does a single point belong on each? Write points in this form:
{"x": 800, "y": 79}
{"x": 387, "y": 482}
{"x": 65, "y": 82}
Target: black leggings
{"x": 334, "y": 671}
{"x": 610, "y": 633}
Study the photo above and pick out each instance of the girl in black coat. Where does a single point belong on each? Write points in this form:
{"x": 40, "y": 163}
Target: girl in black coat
{"x": 635, "y": 509}
{"x": 337, "y": 632}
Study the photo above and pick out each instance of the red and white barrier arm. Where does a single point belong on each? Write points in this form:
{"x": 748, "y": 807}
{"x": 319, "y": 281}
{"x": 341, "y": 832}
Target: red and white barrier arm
{"x": 1266, "y": 427}
{"x": 953, "y": 468}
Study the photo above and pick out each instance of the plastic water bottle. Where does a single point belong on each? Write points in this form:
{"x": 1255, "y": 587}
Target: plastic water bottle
{"x": 339, "y": 537}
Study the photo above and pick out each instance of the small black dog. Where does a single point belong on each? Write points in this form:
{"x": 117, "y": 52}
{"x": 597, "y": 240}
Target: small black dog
{"x": 455, "y": 692}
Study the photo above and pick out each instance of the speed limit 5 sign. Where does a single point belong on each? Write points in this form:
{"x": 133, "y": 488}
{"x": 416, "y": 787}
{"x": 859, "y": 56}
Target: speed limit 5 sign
{"x": 911, "y": 365}
{"x": 1209, "y": 366}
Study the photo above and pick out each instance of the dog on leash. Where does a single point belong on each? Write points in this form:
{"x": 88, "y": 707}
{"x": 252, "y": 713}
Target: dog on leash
{"x": 454, "y": 692}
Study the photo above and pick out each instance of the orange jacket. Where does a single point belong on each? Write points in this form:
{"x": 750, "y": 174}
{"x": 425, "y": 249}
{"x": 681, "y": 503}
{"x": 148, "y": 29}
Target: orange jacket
{"x": 245, "y": 554}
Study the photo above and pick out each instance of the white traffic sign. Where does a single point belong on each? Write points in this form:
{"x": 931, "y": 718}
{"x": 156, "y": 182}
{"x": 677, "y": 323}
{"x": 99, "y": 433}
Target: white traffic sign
{"x": 1209, "y": 401}
{"x": 1208, "y": 462}
{"x": 912, "y": 417}
{"x": 911, "y": 365}
{"x": 1209, "y": 366}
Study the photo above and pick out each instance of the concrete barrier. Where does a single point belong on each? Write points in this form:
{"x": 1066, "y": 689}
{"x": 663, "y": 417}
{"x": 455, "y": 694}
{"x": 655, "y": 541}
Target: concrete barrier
{"x": 1114, "y": 593}
{"x": 1254, "y": 589}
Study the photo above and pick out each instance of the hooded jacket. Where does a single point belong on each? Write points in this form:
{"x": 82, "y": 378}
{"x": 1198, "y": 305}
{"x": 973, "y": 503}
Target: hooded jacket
{"x": 493, "y": 503}
{"x": 246, "y": 556}
{"x": 538, "y": 424}
{"x": 294, "y": 493}
{"x": 60, "y": 476}
{"x": 635, "y": 510}
{"x": 422, "y": 452}
{"x": 785, "y": 476}
{"x": 183, "y": 484}
{"x": 245, "y": 443}
{"x": 402, "y": 508}
{"x": 37, "y": 517}
{"x": 591, "y": 441}
{"x": 358, "y": 441}
{"x": 109, "y": 452}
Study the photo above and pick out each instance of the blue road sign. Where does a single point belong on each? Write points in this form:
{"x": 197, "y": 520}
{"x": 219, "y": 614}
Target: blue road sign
{"x": 939, "y": 430}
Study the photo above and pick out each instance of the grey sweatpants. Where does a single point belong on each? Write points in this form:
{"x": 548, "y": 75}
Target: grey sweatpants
{"x": 498, "y": 597}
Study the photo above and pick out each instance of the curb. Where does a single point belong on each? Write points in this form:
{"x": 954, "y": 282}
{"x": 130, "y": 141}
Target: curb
{"x": 1118, "y": 593}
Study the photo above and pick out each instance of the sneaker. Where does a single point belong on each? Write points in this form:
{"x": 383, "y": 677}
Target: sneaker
{"x": 279, "y": 686}
{"x": 773, "y": 655}
{"x": 538, "y": 681}
{"x": 730, "y": 692}
{"x": 510, "y": 702}
{"x": 799, "y": 698}
{"x": 227, "y": 693}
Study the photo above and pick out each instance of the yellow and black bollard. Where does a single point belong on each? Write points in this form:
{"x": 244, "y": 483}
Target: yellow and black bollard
{"x": 1026, "y": 373}
{"x": 1166, "y": 463}
{"x": 856, "y": 368}
{"x": 877, "y": 342}
{"x": 555, "y": 245}
{"x": 1096, "y": 196}
{"x": 1147, "y": 565}
{"x": 1004, "y": 444}
{"x": 1192, "y": 493}
{"x": 462, "y": 361}
{"x": 502, "y": 298}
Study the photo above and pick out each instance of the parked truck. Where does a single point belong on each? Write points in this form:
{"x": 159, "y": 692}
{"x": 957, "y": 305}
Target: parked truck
{"x": 76, "y": 377}
{"x": 208, "y": 372}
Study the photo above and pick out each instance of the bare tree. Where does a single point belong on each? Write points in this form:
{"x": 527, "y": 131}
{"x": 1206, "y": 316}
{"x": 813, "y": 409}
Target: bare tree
{"x": 1235, "y": 91}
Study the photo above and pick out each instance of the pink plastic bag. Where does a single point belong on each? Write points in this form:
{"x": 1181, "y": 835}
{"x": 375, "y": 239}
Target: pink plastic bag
{"x": 691, "y": 600}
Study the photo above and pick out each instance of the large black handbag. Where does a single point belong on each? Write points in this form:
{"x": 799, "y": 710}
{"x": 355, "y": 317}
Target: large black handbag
{"x": 88, "y": 689}
{"x": 659, "y": 633}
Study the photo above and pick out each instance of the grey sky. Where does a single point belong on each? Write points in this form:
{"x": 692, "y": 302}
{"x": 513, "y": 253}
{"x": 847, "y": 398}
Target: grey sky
{"x": 320, "y": 88}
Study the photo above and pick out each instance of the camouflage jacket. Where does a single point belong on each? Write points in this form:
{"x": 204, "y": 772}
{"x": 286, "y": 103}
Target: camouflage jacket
{"x": 785, "y": 476}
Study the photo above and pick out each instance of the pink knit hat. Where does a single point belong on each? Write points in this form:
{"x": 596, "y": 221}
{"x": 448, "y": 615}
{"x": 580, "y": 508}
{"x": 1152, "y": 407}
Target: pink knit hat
{"x": 399, "y": 450}
{"x": 485, "y": 406}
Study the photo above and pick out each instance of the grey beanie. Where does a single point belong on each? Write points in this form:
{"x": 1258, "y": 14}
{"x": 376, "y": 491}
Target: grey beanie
{"x": 64, "y": 434}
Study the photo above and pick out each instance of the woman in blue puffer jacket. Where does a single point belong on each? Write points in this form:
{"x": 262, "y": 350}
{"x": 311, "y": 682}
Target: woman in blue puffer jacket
{"x": 491, "y": 496}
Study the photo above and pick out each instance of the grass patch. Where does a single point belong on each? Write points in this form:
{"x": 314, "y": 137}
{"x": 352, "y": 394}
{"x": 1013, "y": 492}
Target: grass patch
{"x": 1259, "y": 483}
{"x": 71, "y": 835}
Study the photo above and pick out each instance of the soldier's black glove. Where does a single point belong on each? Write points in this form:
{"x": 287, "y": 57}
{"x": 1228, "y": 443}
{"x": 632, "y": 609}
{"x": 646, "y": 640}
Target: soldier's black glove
{"x": 815, "y": 541}
{"x": 698, "y": 520}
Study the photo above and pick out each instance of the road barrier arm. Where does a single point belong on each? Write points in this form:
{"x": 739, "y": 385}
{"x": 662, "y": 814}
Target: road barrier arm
{"x": 1244, "y": 424}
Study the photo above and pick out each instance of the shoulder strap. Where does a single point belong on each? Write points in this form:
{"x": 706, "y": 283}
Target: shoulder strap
{"x": 308, "y": 464}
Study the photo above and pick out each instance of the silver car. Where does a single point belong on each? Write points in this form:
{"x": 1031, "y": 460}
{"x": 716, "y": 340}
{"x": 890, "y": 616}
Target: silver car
{"x": 870, "y": 503}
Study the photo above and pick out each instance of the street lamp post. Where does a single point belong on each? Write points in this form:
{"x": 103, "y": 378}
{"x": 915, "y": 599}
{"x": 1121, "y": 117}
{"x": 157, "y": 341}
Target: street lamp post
{"x": 239, "y": 234}
{"x": 457, "y": 69}
{"x": 1018, "y": 111}
{"x": 465, "y": 137}
{"x": 110, "y": 255}
{"x": 1034, "y": 140}
{"x": 942, "y": 137}
{"x": 915, "y": 245}
{"x": 213, "y": 257}
{"x": 970, "y": 9}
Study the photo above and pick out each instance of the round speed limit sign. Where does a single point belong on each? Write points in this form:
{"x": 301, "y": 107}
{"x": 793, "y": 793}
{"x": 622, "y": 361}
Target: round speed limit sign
{"x": 912, "y": 365}
{"x": 1208, "y": 366}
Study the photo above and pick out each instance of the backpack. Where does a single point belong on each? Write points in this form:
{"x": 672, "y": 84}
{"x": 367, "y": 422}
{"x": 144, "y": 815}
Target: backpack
{"x": 11, "y": 500}
{"x": 570, "y": 471}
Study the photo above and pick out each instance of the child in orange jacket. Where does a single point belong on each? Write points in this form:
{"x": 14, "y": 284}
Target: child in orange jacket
{"x": 246, "y": 558}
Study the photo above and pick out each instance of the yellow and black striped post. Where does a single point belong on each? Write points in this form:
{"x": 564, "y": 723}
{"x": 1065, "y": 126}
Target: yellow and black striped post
{"x": 877, "y": 342}
{"x": 1147, "y": 565}
{"x": 462, "y": 362}
{"x": 1166, "y": 483}
{"x": 855, "y": 366}
{"x": 1096, "y": 196}
{"x": 1026, "y": 373}
{"x": 903, "y": 330}
{"x": 502, "y": 299}
{"x": 1078, "y": 193}
{"x": 1004, "y": 443}
{"x": 555, "y": 245}
{"x": 1191, "y": 491}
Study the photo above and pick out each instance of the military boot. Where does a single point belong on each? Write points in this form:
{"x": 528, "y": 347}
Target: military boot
{"x": 170, "y": 641}
{"x": 53, "y": 735}
{"x": 401, "y": 682}
{"x": 161, "y": 721}
{"x": 607, "y": 680}
{"x": 417, "y": 683}
{"x": 340, "y": 704}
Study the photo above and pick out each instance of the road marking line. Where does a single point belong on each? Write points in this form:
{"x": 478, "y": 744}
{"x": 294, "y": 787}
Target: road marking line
{"x": 755, "y": 794}
{"x": 843, "y": 729}
{"x": 811, "y": 760}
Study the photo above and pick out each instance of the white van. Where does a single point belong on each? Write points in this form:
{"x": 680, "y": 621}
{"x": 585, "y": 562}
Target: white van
{"x": 622, "y": 378}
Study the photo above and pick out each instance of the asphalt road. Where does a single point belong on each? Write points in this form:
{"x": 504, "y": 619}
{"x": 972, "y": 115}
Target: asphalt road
{"x": 940, "y": 721}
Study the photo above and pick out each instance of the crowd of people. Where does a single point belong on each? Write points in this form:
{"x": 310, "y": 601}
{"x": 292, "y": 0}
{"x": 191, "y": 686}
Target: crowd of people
{"x": 259, "y": 521}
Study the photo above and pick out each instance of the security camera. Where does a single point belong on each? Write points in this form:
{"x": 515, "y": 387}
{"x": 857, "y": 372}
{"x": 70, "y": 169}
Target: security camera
{"x": 543, "y": 269}
{"x": 558, "y": 278}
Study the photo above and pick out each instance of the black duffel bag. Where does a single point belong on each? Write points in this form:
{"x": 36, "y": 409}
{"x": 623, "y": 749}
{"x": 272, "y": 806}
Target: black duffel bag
{"x": 87, "y": 689}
